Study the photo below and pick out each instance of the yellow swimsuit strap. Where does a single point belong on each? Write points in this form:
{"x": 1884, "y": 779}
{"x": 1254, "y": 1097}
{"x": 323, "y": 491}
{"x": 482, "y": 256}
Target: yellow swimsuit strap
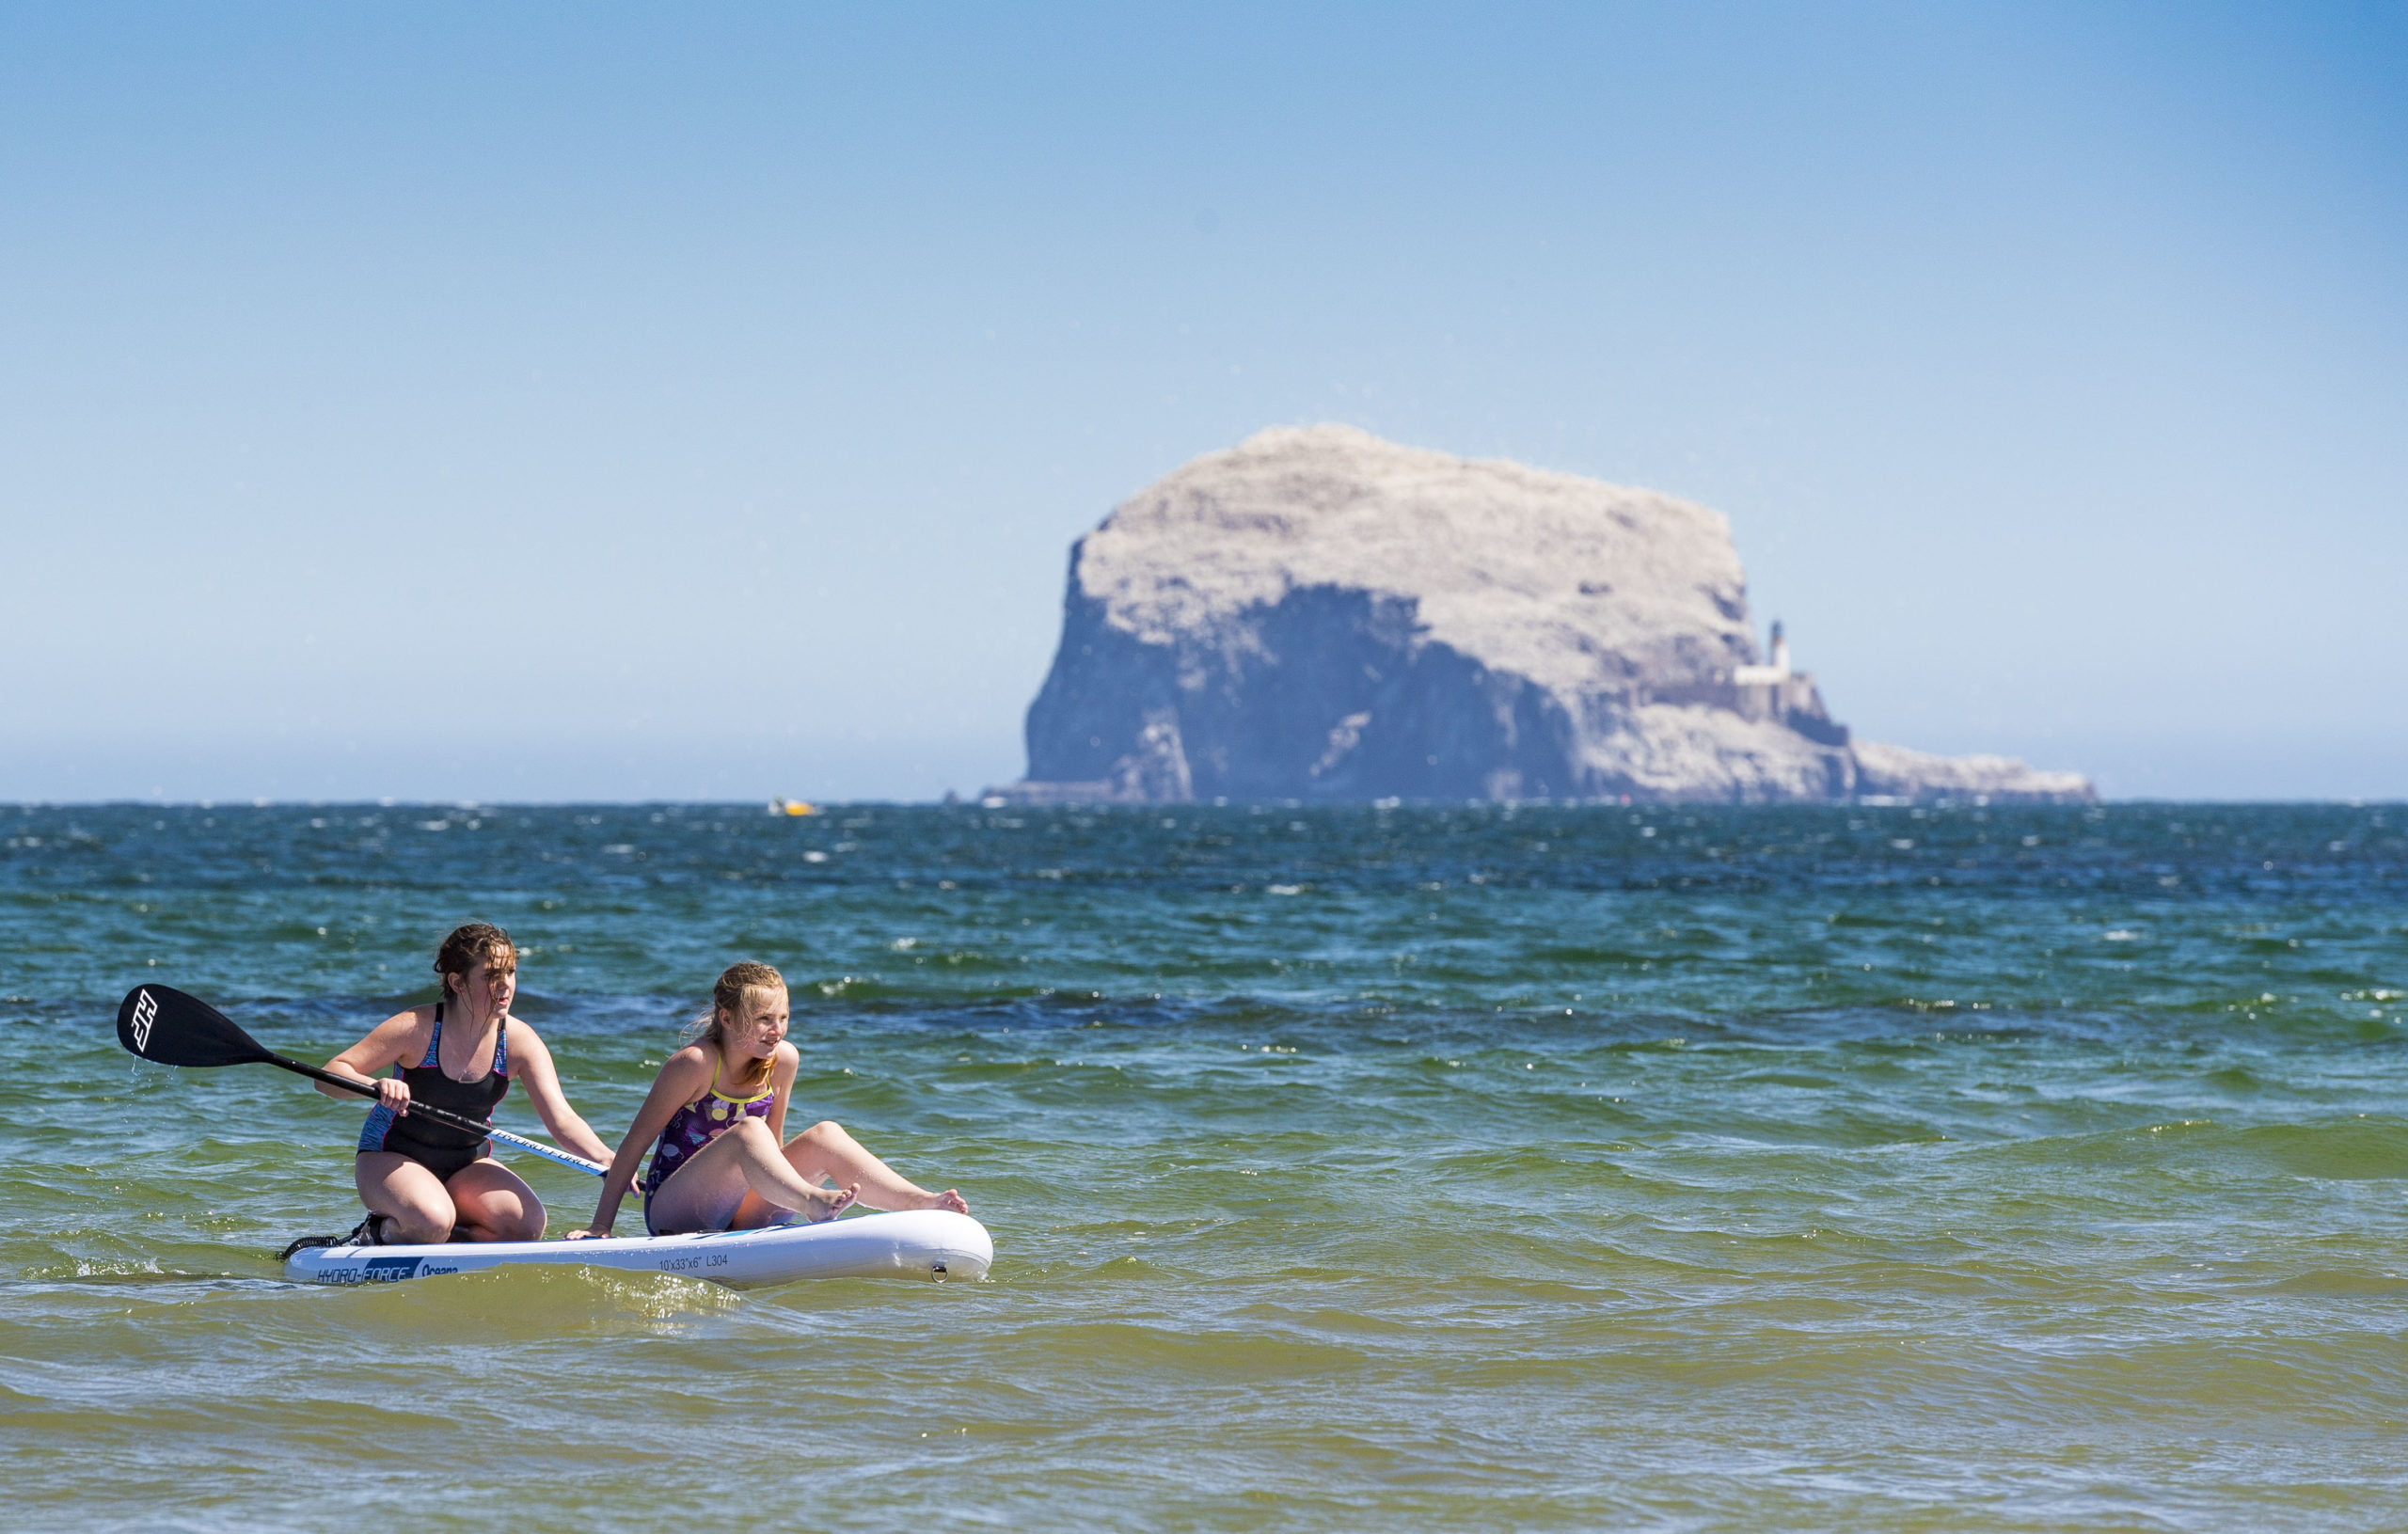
{"x": 723, "y": 1097}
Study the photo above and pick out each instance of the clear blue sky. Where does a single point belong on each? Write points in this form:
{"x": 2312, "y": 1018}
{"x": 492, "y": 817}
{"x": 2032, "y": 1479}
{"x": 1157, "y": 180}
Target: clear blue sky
{"x": 577, "y": 401}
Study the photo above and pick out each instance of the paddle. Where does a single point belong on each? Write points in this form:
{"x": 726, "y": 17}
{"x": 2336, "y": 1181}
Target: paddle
{"x": 161, "y": 1023}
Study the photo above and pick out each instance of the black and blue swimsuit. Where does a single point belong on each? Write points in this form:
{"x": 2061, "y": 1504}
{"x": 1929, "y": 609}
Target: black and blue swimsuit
{"x": 440, "y": 1149}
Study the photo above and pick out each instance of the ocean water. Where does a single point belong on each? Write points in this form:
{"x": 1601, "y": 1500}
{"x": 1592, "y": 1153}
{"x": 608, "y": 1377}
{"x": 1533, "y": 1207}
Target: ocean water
{"x": 1658, "y": 1167}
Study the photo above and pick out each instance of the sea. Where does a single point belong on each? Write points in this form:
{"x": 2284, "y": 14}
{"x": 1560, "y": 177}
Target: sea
{"x": 1491, "y": 1166}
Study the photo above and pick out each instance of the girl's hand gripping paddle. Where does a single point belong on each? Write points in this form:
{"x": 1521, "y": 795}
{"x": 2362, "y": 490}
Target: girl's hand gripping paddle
{"x": 161, "y": 1023}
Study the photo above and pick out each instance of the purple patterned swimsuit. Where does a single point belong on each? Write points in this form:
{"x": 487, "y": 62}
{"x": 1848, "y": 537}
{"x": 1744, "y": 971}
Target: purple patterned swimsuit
{"x": 691, "y": 1128}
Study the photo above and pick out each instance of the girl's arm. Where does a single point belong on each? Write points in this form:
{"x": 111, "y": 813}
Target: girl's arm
{"x": 531, "y": 1063}
{"x": 781, "y": 1068}
{"x": 385, "y": 1046}
{"x": 681, "y": 1081}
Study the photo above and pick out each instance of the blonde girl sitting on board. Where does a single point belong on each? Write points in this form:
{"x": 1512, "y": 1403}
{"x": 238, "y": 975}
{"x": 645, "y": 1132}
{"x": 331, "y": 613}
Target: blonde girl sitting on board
{"x": 716, "y": 1123}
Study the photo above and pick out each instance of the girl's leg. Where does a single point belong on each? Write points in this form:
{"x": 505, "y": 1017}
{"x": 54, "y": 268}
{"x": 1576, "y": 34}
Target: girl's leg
{"x": 740, "y": 1180}
{"x": 494, "y": 1204}
{"x": 825, "y": 1151}
{"x": 415, "y": 1208}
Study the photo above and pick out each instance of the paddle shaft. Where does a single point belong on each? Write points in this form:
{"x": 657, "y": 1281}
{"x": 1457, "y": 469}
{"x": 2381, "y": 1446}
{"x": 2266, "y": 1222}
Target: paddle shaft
{"x": 173, "y": 1027}
{"x": 441, "y": 1115}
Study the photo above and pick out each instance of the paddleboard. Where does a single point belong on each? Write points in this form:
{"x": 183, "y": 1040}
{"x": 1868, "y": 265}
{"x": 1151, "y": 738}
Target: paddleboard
{"x": 917, "y": 1243}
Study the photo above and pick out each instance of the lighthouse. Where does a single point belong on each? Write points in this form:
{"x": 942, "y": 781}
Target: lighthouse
{"x": 1772, "y": 676}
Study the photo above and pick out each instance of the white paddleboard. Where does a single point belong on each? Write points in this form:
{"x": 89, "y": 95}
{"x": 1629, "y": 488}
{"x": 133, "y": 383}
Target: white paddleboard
{"x": 917, "y": 1243}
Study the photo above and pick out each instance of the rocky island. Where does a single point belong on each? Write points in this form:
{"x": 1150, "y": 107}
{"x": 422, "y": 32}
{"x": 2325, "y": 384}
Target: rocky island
{"x": 1320, "y": 614}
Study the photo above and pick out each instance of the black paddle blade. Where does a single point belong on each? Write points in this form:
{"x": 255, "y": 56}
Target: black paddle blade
{"x": 161, "y": 1023}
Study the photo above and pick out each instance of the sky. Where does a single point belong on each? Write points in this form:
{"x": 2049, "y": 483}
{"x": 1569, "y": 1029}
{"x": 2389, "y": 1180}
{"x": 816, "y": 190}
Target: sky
{"x": 590, "y": 401}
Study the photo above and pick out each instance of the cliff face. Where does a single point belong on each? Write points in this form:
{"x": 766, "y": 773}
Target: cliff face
{"x": 1318, "y": 615}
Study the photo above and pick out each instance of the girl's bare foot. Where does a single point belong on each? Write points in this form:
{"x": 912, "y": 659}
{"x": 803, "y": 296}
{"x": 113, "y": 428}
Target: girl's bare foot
{"x": 947, "y": 1200}
{"x": 828, "y": 1203}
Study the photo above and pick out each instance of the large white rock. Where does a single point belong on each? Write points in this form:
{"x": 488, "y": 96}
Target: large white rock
{"x": 1563, "y": 580}
{"x": 1317, "y": 613}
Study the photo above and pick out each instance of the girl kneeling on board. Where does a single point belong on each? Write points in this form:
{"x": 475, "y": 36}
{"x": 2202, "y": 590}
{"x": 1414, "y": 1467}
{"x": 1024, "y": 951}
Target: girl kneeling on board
{"x": 424, "y": 1181}
{"x": 715, "y": 1120}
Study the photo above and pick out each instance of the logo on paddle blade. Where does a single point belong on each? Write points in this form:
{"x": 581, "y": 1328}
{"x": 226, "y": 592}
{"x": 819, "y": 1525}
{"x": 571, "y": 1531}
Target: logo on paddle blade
{"x": 145, "y": 1012}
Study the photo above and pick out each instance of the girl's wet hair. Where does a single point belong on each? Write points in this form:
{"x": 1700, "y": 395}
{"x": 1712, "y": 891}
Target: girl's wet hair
{"x": 727, "y": 1001}
{"x": 468, "y": 944}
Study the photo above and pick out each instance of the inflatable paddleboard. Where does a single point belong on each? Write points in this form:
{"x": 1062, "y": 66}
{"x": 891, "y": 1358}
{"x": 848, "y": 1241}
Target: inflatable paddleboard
{"x": 917, "y": 1243}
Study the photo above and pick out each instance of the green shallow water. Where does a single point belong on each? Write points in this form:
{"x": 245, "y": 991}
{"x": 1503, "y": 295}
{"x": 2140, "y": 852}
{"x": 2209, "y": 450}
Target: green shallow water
{"x": 1967, "y": 1169}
